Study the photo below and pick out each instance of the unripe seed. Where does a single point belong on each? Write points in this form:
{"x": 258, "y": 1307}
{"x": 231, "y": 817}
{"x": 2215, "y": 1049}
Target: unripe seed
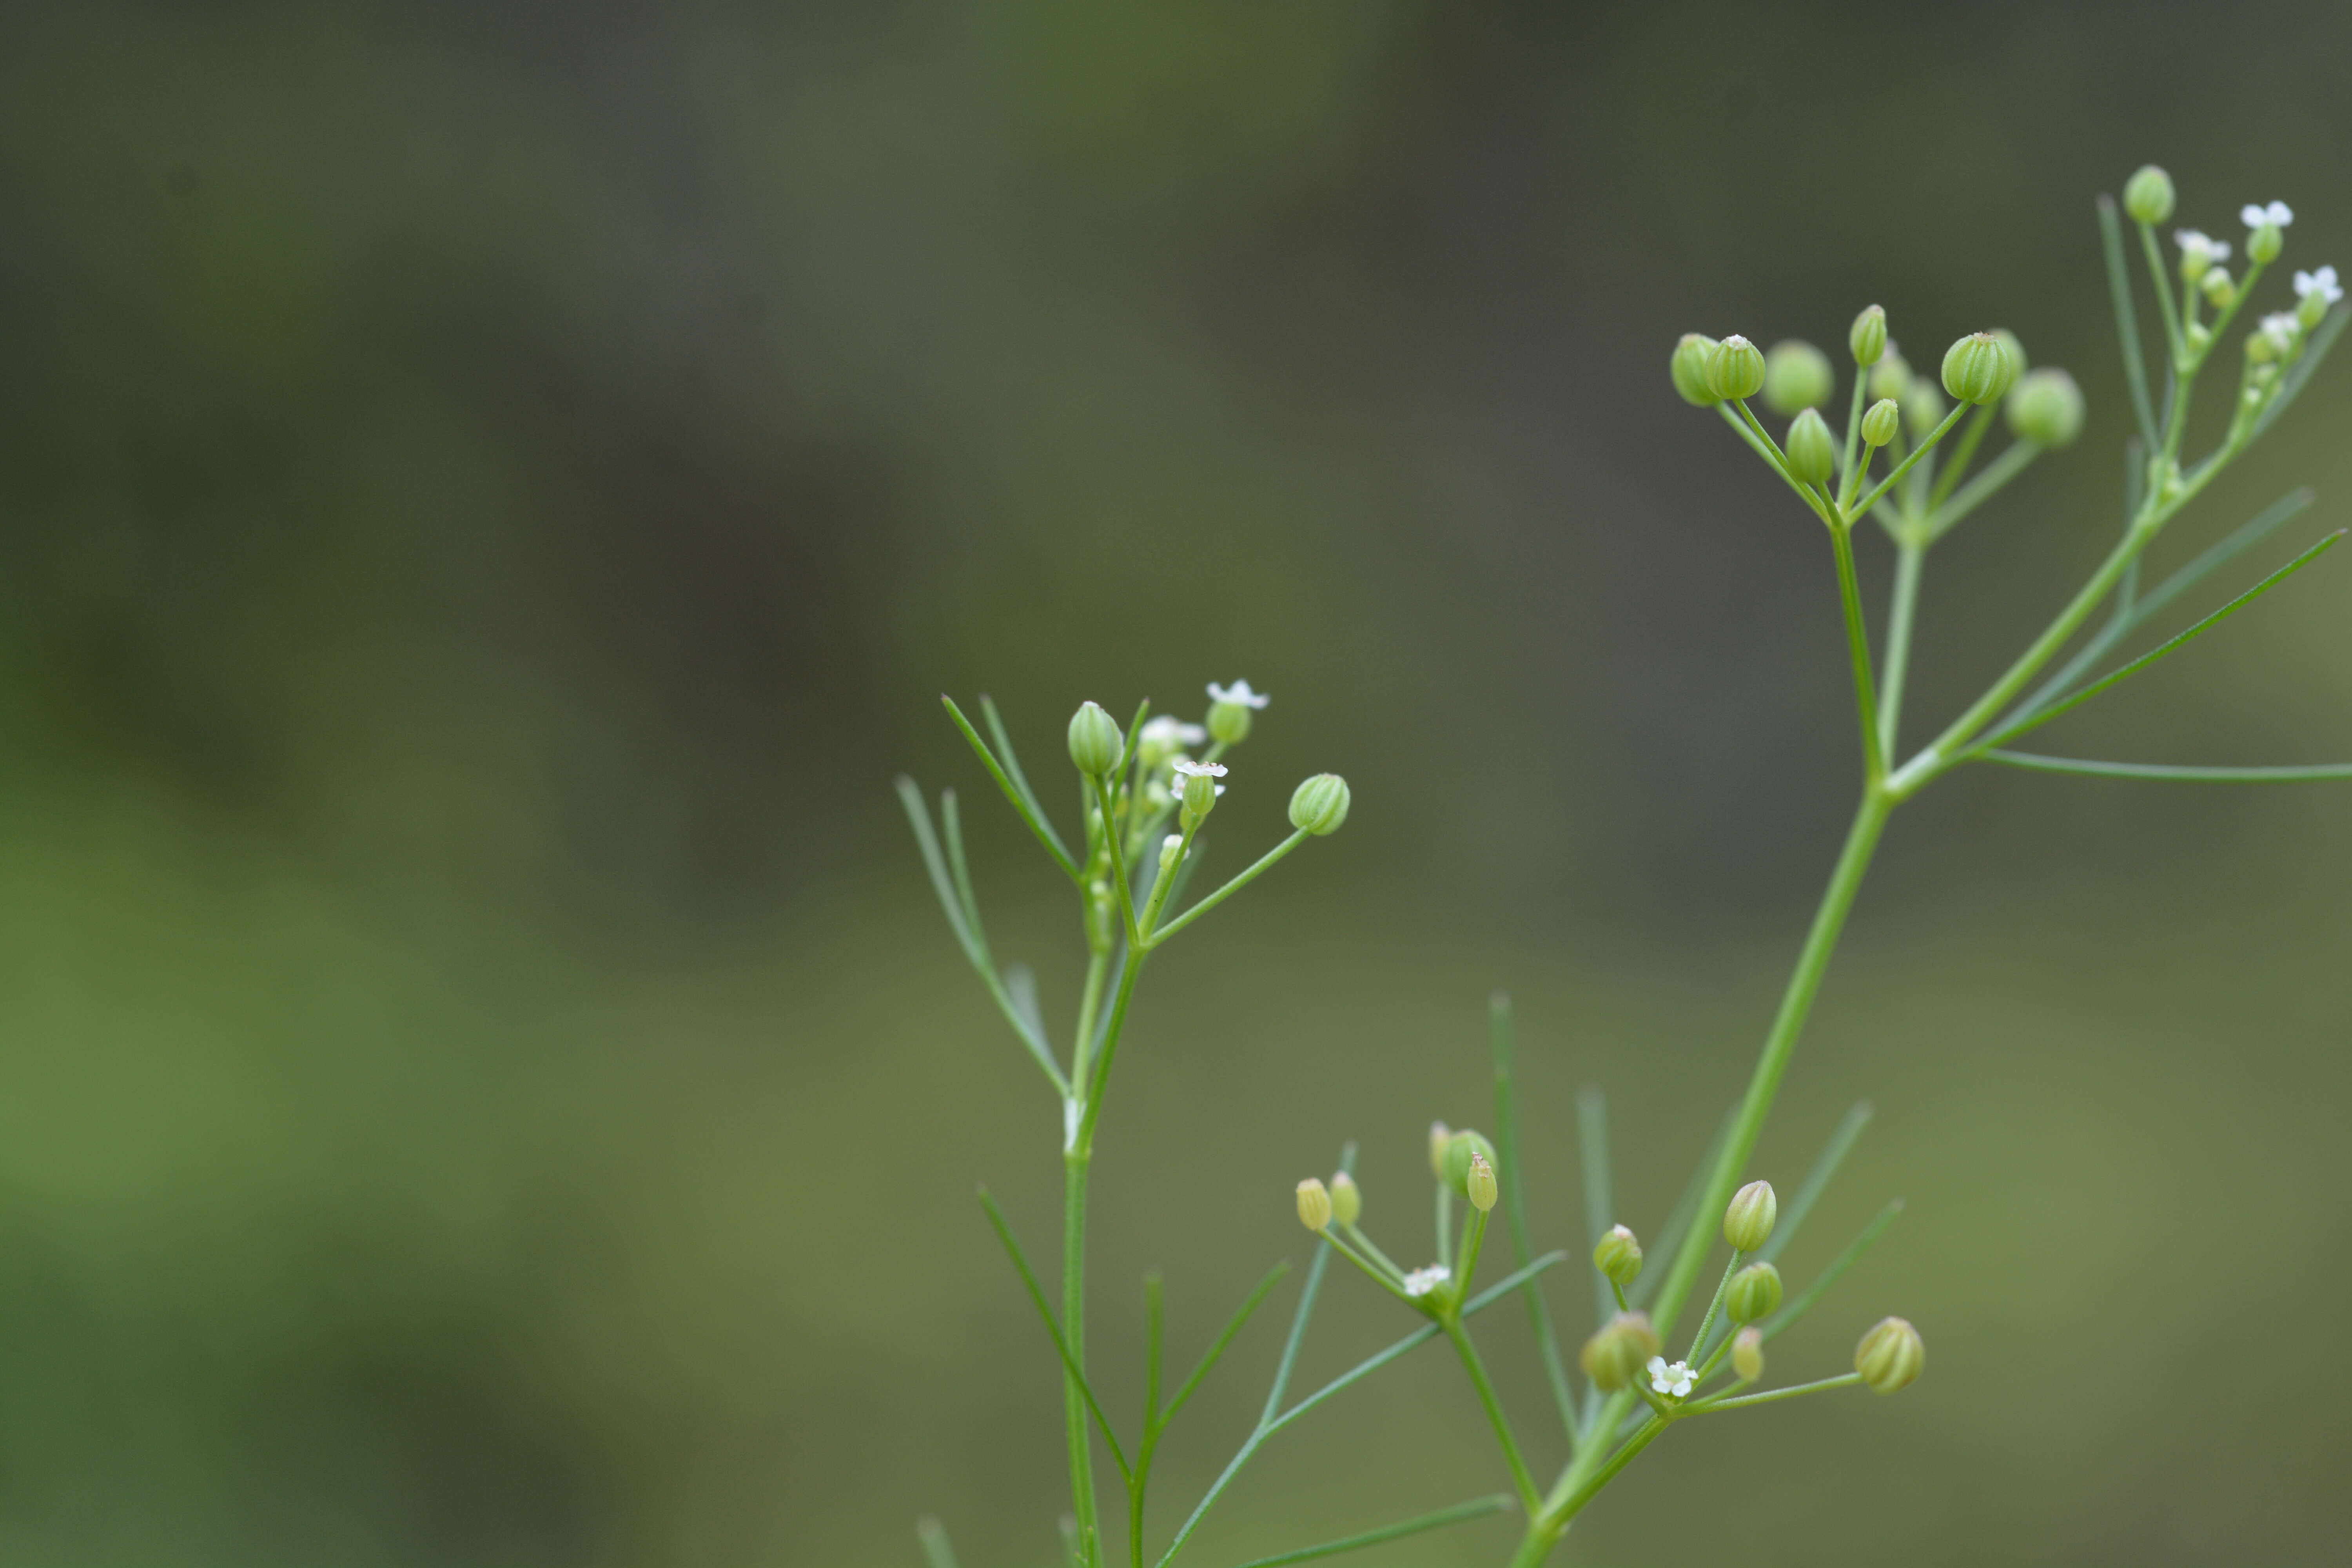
{"x": 1747, "y": 1221}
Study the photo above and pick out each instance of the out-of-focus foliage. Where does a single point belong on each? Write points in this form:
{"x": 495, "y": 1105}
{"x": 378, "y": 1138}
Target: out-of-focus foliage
{"x": 490, "y": 495}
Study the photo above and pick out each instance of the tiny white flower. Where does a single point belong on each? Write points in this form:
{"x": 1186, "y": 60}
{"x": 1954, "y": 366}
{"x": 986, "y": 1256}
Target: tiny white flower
{"x": 1422, "y": 1281}
{"x": 2322, "y": 283}
{"x": 2196, "y": 244}
{"x": 2254, "y": 215}
{"x": 1171, "y": 732}
{"x": 1191, "y": 769}
{"x": 2281, "y": 329}
{"x": 1239, "y": 691}
{"x": 1674, "y": 1379}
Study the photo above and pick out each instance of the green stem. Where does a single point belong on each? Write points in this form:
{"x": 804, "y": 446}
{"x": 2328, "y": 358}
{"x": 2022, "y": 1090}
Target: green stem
{"x": 1904, "y": 466}
{"x": 1739, "y": 1401}
{"x": 1957, "y": 464}
{"x": 1857, "y": 637}
{"x": 1773, "y": 1064}
{"x": 1708, "y": 1320}
{"x": 1910, "y": 556}
{"x": 1074, "y": 1328}
{"x": 1528, "y": 1498}
{"x": 1972, "y": 495}
{"x": 1852, "y": 475}
{"x": 2163, "y": 290}
{"x": 1230, "y": 888}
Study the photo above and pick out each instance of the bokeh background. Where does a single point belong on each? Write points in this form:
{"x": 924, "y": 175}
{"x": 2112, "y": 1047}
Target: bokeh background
{"x": 492, "y": 493}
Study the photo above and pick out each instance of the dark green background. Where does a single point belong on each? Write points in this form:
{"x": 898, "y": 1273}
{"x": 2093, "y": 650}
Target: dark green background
{"x": 491, "y": 495}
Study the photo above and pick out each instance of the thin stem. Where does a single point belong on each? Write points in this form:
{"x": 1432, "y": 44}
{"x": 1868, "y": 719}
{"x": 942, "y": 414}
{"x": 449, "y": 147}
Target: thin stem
{"x": 1779, "y": 460}
{"x": 1514, "y": 1202}
{"x": 1708, "y": 1320}
{"x": 1444, "y": 1221}
{"x": 1957, "y": 464}
{"x": 1910, "y": 556}
{"x": 1902, "y": 467}
{"x": 1853, "y": 475}
{"x": 1978, "y": 490}
{"x": 1764, "y": 448}
{"x": 1780, "y": 1043}
{"x": 1528, "y": 1497}
{"x": 1074, "y": 1335}
{"x": 1857, "y": 639}
{"x": 1740, "y": 1400}
{"x": 2163, "y": 292}
{"x": 1118, "y": 863}
{"x": 1230, "y": 888}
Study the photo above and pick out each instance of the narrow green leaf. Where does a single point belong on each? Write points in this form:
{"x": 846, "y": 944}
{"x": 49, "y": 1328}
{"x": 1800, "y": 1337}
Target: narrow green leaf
{"x": 2077, "y": 699}
{"x": 1303, "y": 1311}
{"x": 1021, "y": 989}
{"x": 1793, "y": 1213}
{"x": 1981, "y": 489}
{"x": 1515, "y": 1201}
{"x": 2290, "y": 773}
{"x": 2111, "y": 239}
{"x": 1012, "y": 762}
{"x": 2314, "y": 349}
{"x": 1023, "y": 804}
{"x": 1460, "y": 1513}
{"x": 1269, "y": 1424}
{"x": 1835, "y": 1271}
{"x": 918, "y": 816}
{"x": 1046, "y": 1315}
{"x": 1225, "y": 1338}
{"x": 1670, "y": 1235}
{"x": 1155, "y": 1337}
{"x": 934, "y": 1537}
{"x": 1600, "y": 1201}
{"x": 951, "y": 830}
{"x": 2131, "y": 610}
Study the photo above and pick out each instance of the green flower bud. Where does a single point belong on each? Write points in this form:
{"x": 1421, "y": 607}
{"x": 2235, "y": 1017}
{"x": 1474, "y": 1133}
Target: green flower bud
{"x": 2198, "y": 336}
{"x": 1319, "y": 805}
{"x": 2147, "y": 195}
{"x": 1347, "y": 1199}
{"x": 1878, "y": 423}
{"x": 1978, "y": 368}
{"x": 1923, "y": 408}
{"x": 1314, "y": 1205}
{"x": 1197, "y": 787}
{"x": 1797, "y": 376}
{"x": 1171, "y": 852}
{"x": 1748, "y": 1222}
{"x": 1868, "y": 336}
{"x": 1619, "y": 1256}
{"x": 1688, "y": 368}
{"x": 1479, "y": 1186}
{"x": 1095, "y": 744}
{"x": 1754, "y": 1293}
{"x": 2313, "y": 306}
{"x": 2265, "y": 243}
{"x": 1747, "y": 1354}
{"x": 1615, "y": 1356}
{"x": 2218, "y": 287}
{"x": 2045, "y": 407}
{"x": 1890, "y": 378}
{"x": 1812, "y": 453}
{"x": 1229, "y": 708}
{"x": 1439, "y": 1135}
{"x": 1460, "y": 1150}
{"x": 1890, "y": 1356}
{"x": 1734, "y": 369}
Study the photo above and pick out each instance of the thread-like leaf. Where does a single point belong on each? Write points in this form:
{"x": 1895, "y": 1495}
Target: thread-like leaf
{"x": 1225, "y": 1338}
{"x": 1460, "y": 1513}
{"x": 2111, "y": 241}
{"x": 1835, "y": 1271}
{"x": 1833, "y": 1152}
{"x": 918, "y": 817}
{"x": 1054, "y": 1330}
{"x": 2172, "y": 643}
{"x": 1025, "y": 804}
{"x": 1515, "y": 1201}
{"x": 934, "y": 1537}
{"x": 2288, "y": 773}
{"x": 1670, "y": 1234}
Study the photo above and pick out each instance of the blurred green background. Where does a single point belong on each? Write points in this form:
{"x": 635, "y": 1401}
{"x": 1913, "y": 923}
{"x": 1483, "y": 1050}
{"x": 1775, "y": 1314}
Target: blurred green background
{"x": 492, "y": 493}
